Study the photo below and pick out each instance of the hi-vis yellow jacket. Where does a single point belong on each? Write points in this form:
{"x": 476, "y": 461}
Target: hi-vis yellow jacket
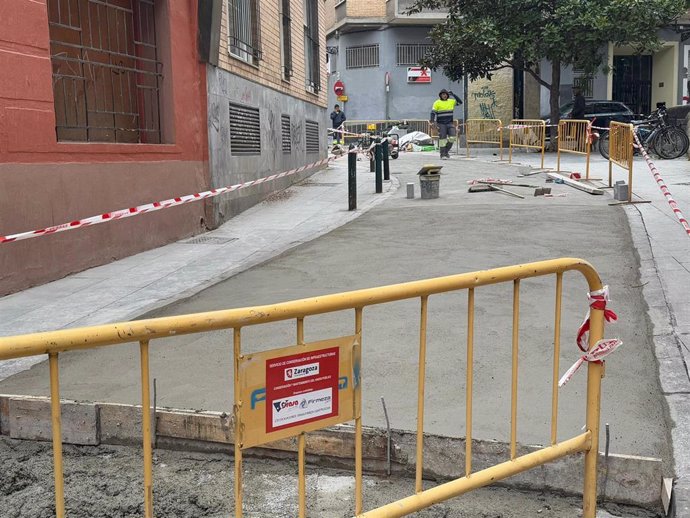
{"x": 442, "y": 111}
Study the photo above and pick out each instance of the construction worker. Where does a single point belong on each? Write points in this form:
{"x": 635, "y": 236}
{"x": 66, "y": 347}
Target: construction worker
{"x": 442, "y": 116}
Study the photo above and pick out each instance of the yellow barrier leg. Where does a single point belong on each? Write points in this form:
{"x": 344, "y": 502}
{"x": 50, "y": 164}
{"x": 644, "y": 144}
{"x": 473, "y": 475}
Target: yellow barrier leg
{"x": 237, "y": 342}
{"x": 57, "y": 435}
{"x": 146, "y": 429}
{"x": 595, "y": 372}
{"x": 301, "y": 446}
{"x": 358, "y": 422}
{"x": 556, "y": 358}
{"x": 420, "y": 394}
{"x": 470, "y": 379}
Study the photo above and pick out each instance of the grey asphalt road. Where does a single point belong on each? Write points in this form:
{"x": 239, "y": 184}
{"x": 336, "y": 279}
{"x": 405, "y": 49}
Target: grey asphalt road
{"x": 403, "y": 240}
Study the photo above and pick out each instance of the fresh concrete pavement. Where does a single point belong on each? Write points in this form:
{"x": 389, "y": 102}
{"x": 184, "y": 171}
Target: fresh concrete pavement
{"x": 396, "y": 241}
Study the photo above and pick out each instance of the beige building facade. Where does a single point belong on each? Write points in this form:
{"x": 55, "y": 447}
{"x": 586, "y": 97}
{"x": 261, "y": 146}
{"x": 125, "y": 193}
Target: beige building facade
{"x": 266, "y": 97}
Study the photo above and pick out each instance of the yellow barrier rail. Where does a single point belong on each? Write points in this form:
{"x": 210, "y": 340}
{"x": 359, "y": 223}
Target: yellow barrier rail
{"x": 144, "y": 331}
{"x": 621, "y": 151}
{"x": 527, "y": 134}
{"x": 484, "y": 131}
{"x": 574, "y": 136}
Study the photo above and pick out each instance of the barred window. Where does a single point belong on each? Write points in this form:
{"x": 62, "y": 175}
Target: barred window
{"x": 286, "y": 134}
{"x": 312, "y": 52}
{"x": 286, "y": 39}
{"x": 312, "y": 136}
{"x": 244, "y": 37}
{"x": 363, "y": 56}
{"x": 585, "y": 83}
{"x": 410, "y": 54}
{"x": 106, "y": 74}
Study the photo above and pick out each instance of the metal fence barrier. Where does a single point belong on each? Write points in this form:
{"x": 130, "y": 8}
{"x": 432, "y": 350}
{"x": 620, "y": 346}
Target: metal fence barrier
{"x": 267, "y": 384}
{"x": 621, "y": 151}
{"x": 574, "y": 136}
{"x": 484, "y": 131}
{"x": 378, "y": 127}
{"x": 527, "y": 134}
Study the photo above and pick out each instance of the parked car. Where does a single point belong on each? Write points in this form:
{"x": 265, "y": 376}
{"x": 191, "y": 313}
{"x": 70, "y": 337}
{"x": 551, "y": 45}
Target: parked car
{"x": 678, "y": 115}
{"x": 603, "y": 111}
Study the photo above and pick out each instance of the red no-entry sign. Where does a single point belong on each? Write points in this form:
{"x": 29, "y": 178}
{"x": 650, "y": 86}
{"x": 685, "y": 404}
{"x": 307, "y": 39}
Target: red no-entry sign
{"x": 339, "y": 87}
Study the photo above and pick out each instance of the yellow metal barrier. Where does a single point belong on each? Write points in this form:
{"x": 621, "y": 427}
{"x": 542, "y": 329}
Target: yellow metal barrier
{"x": 484, "y": 131}
{"x": 343, "y": 355}
{"x": 528, "y": 134}
{"x": 574, "y": 136}
{"x": 621, "y": 151}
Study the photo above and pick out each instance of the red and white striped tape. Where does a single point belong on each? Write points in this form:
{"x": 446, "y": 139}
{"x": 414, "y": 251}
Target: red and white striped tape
{"x": 602, "y": 349}
{"x": 662, "y": 185}
{"x": 597, "y": 300}
{"x": 155, "y": 206}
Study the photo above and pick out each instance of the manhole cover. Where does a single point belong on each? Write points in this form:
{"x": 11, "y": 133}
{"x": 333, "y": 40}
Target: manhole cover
{"x": 208, "y": 240}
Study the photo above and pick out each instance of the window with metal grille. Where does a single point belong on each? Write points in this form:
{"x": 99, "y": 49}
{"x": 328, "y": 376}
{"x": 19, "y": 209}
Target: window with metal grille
{"x": 312, "y": 52}
{"x": 312, "y": 136}
{"x": 586, "y": 84}
{"x": 410, "y": 54}
{"x": 286, "y": 39}
{"x": 244, "y": 36}
{"x": 285, "y": 134}
{"x": 106, "y": 74}
{"x": 363, "y": 56}
{"x": 245, "y": 130}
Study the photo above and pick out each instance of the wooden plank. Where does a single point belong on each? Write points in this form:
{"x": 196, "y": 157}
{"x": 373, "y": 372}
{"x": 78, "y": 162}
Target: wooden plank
{"x": 120, "y": 424}
{"x": 29, "y": 418}
{"x": 575, "y": 184}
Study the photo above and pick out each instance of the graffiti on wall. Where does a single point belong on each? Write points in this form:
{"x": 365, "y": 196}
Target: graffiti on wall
{"x": 486, "y": 97}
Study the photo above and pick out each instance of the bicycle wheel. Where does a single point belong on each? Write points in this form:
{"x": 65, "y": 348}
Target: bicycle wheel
{"x": 604, "y": 144}
{"x": 670, "y": 143}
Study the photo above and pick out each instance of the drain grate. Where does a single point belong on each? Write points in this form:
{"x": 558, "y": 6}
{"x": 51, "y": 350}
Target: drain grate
{"x": 682, "y": 183}
{"x": 208, "y": 240}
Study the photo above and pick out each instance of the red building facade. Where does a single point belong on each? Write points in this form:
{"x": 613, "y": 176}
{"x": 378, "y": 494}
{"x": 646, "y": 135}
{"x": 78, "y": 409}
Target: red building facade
{"x": 101, "y": 108}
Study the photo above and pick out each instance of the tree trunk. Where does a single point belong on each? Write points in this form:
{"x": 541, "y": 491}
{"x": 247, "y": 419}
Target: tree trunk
{"x": 555, "y": 101}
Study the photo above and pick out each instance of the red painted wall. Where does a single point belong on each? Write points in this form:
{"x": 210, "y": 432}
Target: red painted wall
{"x": 44, "y": 182}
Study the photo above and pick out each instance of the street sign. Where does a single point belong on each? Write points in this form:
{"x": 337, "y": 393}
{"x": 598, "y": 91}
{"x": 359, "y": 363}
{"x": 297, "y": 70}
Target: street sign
{"x": 418, "y": 75}
{"x": 339, "y": 87}
{"x": 342, "y": 98}
{"x": 296, "y": 389}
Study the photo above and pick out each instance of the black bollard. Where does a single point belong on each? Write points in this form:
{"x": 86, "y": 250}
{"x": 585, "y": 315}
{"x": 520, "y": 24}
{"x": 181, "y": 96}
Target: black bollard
{"x": 352, "y": 179}
{"x": 378, "y": 159}
{"x": 386, "y": 165}
{"x": 372, "y": 166}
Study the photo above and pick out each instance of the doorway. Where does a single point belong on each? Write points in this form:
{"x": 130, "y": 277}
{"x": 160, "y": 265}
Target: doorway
{"x": 632, "y": 82}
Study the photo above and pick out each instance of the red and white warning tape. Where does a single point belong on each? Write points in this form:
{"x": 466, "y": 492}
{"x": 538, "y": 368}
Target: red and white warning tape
{"x": 662, "y": 186}
{"x": 597, "y": 300}
{"x": 155, "y": 206}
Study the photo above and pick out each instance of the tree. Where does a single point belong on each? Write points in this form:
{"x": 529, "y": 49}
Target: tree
{"x": 479, "y": 38}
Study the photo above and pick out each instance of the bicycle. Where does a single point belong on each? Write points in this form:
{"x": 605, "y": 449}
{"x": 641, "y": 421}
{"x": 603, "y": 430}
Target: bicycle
{"x": 656, "y": 135}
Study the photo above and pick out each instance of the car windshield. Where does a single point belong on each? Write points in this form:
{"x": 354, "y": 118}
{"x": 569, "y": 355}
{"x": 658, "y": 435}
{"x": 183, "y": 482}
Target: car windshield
{"x": 566, "y": 109}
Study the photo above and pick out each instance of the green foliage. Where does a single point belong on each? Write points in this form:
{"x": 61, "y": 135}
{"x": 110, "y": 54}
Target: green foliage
{"x": 480, "y": 37}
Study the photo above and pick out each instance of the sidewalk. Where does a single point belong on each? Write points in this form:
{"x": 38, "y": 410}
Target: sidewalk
{"x": 130, "y": 287}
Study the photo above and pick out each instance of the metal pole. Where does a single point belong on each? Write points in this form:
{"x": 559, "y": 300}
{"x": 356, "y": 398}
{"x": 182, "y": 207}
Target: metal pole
{"x": 57, "y": 435}
{"x": 386, "y": 164}
{"x": 595, "y": 372}
{"x": 377, "y": 160}
{"x": 352, "y": 179}
{"x": 146, "y": 428}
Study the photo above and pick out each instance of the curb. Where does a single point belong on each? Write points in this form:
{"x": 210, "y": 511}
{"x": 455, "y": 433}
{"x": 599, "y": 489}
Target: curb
{"x": 623, "y": 479}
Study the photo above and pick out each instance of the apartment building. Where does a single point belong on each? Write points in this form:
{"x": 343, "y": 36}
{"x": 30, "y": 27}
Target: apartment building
{"x": 109, "y": 104}
{"x": 266, "y": 97}
{"x": 102, "y": 107}
{"x": 374, "y": 49}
